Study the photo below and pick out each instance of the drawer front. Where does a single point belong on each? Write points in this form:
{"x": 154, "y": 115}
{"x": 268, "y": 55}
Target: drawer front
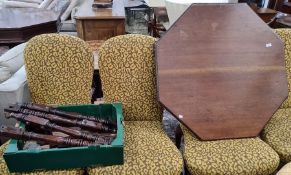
{"x": 100, "y": 29}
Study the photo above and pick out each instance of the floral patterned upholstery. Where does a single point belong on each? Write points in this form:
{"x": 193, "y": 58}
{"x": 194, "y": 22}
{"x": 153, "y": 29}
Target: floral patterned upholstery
{"x": 59, "y": 71}
{"x": 277, "y": 132}
{"x": 127, "y": 71}
{"x": 285, "y": 35}
{"x": 249, "y": 156}
{"x": 147, "y": 150}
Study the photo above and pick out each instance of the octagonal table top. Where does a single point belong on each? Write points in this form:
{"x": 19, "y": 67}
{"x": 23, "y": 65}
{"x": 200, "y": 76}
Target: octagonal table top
{"x": 15, "y": 18}
{"x": 221, "y": 71}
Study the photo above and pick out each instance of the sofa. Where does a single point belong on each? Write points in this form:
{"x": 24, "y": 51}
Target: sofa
{"x": 13, "y": 84}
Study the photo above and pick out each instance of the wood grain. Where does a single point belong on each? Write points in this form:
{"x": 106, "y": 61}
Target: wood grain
{"x": 87, "y": 12}
{"x": 100, "y": 24}
{"x": 222, "y": 74}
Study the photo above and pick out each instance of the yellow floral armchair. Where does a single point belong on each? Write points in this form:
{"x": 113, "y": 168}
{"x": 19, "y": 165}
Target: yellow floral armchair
{"x": 127, "y": 71}
{"x": 59, "y": 71}
{"x": 277, "y": 133}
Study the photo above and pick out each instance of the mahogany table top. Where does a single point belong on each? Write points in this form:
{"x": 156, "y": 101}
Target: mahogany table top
{"x": 222, "y": 74}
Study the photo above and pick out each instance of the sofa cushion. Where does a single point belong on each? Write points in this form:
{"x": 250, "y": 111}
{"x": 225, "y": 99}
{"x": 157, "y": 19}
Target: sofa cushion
{"x": 5, "y": 74}
{"x": 68, "y": 11}
{"x": 53, "y": 4}
{"x": 13, "y": 59}
{"x": 29, "y": 1}
{"x": 57, "y": 5}
{"x": 45, "y": 4}
{"x": 19, "y": 4}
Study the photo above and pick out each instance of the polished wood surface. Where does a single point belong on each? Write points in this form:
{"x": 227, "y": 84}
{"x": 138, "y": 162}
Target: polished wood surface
{"x": 222, "y": 74}
{"x": 100, "y": 23}
{"x": 87, "y": 12}
{"x": 20, "y": 24}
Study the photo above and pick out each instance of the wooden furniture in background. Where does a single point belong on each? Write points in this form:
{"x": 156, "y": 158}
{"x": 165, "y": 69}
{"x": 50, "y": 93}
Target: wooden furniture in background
{"x": 155, "y": 25}
{"x": 220, "y": 78}
{"x": 100, "y": 23}
{"x": 266, "y": 14}
{"x": 286, "y": 7}
{"x": 283, "y": 17}
{"x": 17, "y": 25}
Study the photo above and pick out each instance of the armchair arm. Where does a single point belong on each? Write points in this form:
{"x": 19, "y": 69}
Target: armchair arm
{"x": 12, "y": 91}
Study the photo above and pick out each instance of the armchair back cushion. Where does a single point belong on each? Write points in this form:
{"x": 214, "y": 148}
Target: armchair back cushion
{"x": 127, "y": 71}
{"x": 59, "y": 69}
{"x": 59, "y": 5}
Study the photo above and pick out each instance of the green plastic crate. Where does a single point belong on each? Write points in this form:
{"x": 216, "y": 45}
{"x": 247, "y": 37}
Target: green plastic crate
{"x": 19, "y": 160}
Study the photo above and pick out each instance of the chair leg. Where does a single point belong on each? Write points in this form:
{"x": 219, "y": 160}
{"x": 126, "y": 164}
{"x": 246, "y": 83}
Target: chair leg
{"x": 178, "y": 136}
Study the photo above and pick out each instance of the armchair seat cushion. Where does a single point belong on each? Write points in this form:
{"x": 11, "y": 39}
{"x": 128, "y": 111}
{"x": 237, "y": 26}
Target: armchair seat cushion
{"x": 235, "y": 156}
{"x": 277, "y": 133}
{"x": 147, "y": 150}
{"x": 4, "y": 169}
